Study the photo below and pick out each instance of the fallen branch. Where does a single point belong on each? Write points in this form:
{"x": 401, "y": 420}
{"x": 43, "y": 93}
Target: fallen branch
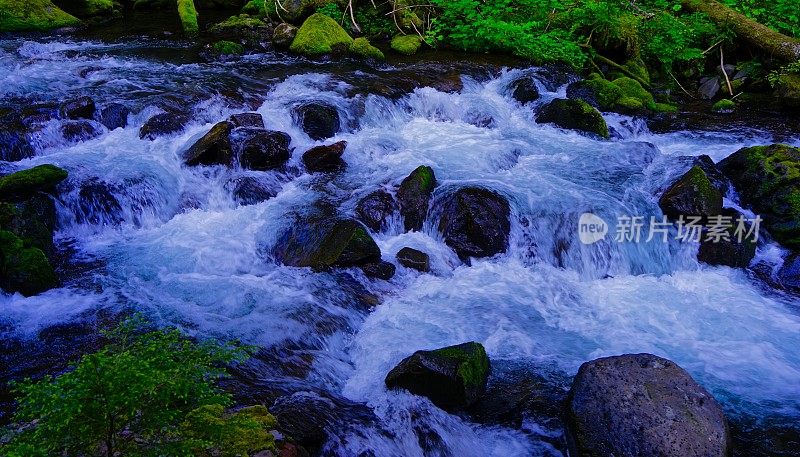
{"x": 622, "y": 70}
{"x": 724, "y": 72}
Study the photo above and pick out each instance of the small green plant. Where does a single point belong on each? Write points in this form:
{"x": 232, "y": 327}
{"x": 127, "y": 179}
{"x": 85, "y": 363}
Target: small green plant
{"x": 332, "y": 10}
{"x": 129, "y": 398}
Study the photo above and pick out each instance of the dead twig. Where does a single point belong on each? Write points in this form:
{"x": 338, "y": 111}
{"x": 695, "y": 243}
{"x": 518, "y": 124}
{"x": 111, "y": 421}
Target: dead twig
{"x": 724, "y": 72}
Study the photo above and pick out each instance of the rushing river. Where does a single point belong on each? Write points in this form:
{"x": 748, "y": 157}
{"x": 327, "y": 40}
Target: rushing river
{"x": 172, "y": 242}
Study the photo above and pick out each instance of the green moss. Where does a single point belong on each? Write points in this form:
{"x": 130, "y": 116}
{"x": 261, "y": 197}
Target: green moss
{"x": 724, "y": 106}
{"x": 238, "y": 22}
{"x": 637, "y": 67}
{"x": 245, "y": 432}
{"x": 24, "y": 269}
{"x": 629, "y": 104}
{"x": 255, "y": 8}
{"x": 473, "y": 363}
{"x": 362, "y": 47}
{"x": 698, "y": 179}
{"x": 606, "y": 92}
{"x": 228, "y": 48}
{"x": 320, "y": 35}
{"x": 406, "y": 44}
{"x": 631, "y": 88}
{"x": 27, "y": 182}
{"x": 188, "y": 15}
{"x": 33, "y": 16}
{"x": 665, "y": 108}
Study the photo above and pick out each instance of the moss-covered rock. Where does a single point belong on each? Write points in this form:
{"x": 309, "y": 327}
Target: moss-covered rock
{"x": 295, "y": 11}
{"x": 249, "y": 31}
{"x": 322, "y": 243}
{"x": 406, "y": 44}
{"x": 596, "y": 91}
{"x": 90, "y": 9}
{"x": 188, "y": 15}
{"x": 787, "y": 90}
{"x": 453, "y": 377}
{"x": 320, "y": 35}
{"x": 363, "y": 48}
{"x": 283, "y": 36}
{"x": 631, "y": 88}
{"x": 24, "y": 184}
{"x": 254, "y": 8}
{"x": 575, "y": 115}
{"x": 767, "y": 179}
{"x": 33, "y": 16}
{"x": 724, "y": 106}
{"x": 475, "y": 222}
{"x": 414, "y": 196}
{"x": 693, "y": 194}
{"x": 228, "y": 48}
{"x": 665, "y": 108}
{"x": 33, "y": 220}
{"x": 24, "y": 269}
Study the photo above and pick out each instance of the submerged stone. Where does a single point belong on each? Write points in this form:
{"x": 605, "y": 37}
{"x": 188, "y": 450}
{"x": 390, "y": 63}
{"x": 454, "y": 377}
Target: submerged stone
{"x": 375, "y": 209}
{"x": 453, "y": 377}
{"x": 319, "y": 120}
{"x": 261, "y": 149}
{"x": 80, "y": 108}
{"x": 524, "y": 90}
{"x": 247, "y": 120}
{"x": 642, "y": 405}
{"x": 412, "y": 258}
{"x": 114, "y": 116}
{"x": 380, "y": 270}
{"x": 735, "y": 250}
{"x": 162, "y": 124}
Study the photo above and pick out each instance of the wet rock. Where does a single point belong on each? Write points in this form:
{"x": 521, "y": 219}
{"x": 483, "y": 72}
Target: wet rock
{"x": 361, "y": 47}
{"x": 692, "y": 194}
{"x": 732, "y": 249}
{"x": 717, "y": 178}
{"x": 14, "y": 143}
{"x": 114, "y": 116}
{"x": 325, "y": 159}
{"x": 787, "y": 90}
{"x": 767, "y": 179}
{"x": 247, "y": 120}
{"x": 98, "y": 204}
{"x": 311, "y": 418}
{"x": 406, "y": 44}
{"x": 320, "y": 35}
{"x": 475, "y": 222}
{"x": 33, "y": 220}
{"x": 248, "y": 190}
{"x": 283, "y": 36}
{"x": 573, "y": 115}
{"x": 319, "y": 120}
{"x": 379, "y": 270}
{"x": 414, "y": 195}
{"x": 598, "y": 92}
{"x": 24, "y": 269}
{"x": 640, "y": 404}
{"x": 162, "y": 124}
{"x": 709, "y": 87}
{"x": 375, "y": 209}
{"x": 324, "y": 243}
{"x": 77, "y": 131}
{"x": 261, "y": 149}
{"x": 789, "y": 274}
{"x": 24, "y": 184}
{"x": 524, "y": 90}
{"x": 214, "y": 148}
{"x": 452, "y": 378}
{"x": 412, "y": 258}
{"x": 80, "y": 108}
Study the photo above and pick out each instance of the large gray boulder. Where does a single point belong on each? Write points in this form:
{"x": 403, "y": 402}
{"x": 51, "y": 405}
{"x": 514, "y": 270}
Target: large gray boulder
{"x": 642, "y": 405}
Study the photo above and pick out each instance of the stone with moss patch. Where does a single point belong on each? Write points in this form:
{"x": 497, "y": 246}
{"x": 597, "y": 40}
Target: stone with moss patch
{"x": 665, "y": 108}
{"x": 23, "y": 184}
{"x": 414, "y": 196}
{"x": 188, "y": 15}
{"x": 724, "y": 106}
{"x": 33, "y": 16}
{"x": 255, "y": 8}
{"x": 320, "y": 35}
{"x": 631, "y": 88}
{"x": 693, "y": 194}
{"x": 322, "y": 243}
{"x": 363, "y": 48}
{"x": 574, "y": 115}
{"x": 243, "y": 432}
{"x": 787, "y": 90}
{"x": 453, "y": 377}
{"x": 596, "y": 91}
{"x": 24, "y": 269}
{"x": 767, "y": 179}
{"x": 406, "y": 44}
{"x": 228, "y": 48}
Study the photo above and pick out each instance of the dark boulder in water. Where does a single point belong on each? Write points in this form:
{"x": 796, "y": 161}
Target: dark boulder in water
{"x": 24, "y": 269}
{"x": 789, "y": 274}
{"x": 247, "y": 120}
{"x": 77, "y": 131}
{"x": 24, "y": 184}
{"x": 261, "y": 149}
{"x": 14, "y": 143}
{"x": 767, "y": 179}
{"x": 414, "y": 196}
{"x": 642, "y": 405}
{"x": 475, "y": 222}
{"x": 325, "y": 159}
{"x": 114, "y": 116}
{"x": 380, "y": 270}
{"x": 574, "y": 115}
{"x": 319, "y": 120}
{"x": 693, "y": 194}
{"x": 163, "y": 124}
{"x": 248, "y": 190}
{"x": 33, "y": 220}
{"x": 713, "y": 173}
{"x": 524, "y": 90}
{"x": 322, "y": 243}
{"x": 214, "y": 148}
{"x": 98, "y": 204}
{"x": 733, "y": 246}
{"x": 375, "y": 209}
{"x": 453, "y": 377}
{"x": 80, "y": 108}
{"x": 412, "y": 258}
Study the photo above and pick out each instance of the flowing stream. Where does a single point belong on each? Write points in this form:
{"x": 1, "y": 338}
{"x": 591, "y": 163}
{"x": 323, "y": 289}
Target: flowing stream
{"x": 172, "y": 242}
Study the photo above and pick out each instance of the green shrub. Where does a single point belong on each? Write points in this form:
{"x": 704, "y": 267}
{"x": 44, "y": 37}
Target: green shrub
{"x": 130, "y": 397}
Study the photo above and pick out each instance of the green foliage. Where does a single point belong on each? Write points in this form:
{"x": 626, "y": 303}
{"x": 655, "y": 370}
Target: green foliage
{"x": 128, "y": 397}
{"x": 331, "y": 10}
{"x": 373, "y": 23}
{"x": 254, "y": 8}
{"x": 780, "y": 15}
{"x": 214, "y": 432}
{"x": 724, "y": 106}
